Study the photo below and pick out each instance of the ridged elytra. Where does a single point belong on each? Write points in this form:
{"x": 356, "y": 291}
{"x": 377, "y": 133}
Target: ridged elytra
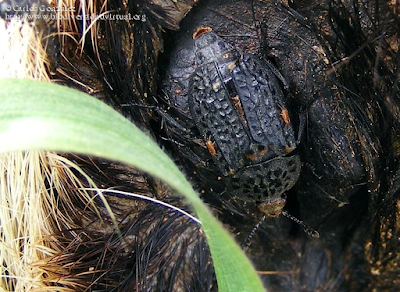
{"x": 236, "y": 100}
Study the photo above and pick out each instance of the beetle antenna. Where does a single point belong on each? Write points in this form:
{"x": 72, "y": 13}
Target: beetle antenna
{"x": 246, "y": 244}
{"x": 307, "y": 229}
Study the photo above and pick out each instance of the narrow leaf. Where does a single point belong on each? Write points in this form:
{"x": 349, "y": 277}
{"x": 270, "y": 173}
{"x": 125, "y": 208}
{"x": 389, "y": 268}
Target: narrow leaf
{"x": 42, "y": 116}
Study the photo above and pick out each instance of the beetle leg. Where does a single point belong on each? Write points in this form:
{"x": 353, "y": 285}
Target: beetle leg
{"x": 277, "y": 74}
{"x": 302, "y": 124}
{"x": 168, "y": 119}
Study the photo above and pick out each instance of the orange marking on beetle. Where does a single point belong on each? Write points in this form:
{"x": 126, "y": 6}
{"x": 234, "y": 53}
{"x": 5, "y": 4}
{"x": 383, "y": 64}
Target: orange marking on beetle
{"x": 288, "y": 149}
{"x": 257, "y": 155}
{"x": 201, "y": 30}
{"x": 251, "y": 156}
{"x": 285, "y": 115}
{"x": 238, "y": 106}
{"x": 231, "y": 66}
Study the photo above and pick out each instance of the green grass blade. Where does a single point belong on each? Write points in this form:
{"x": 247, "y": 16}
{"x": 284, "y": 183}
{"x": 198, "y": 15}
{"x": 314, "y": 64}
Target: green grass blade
{"x": 44, "y": 116}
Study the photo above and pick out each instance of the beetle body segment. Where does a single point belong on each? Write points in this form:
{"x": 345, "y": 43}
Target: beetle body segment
{"x": 211, "y": 104}
{"x": 270, "y": 178}
{"x": 260, "y": 95}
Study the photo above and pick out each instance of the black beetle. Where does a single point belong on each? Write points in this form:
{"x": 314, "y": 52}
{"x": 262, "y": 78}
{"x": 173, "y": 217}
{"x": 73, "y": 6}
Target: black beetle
{"x": 236, "y": 99}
